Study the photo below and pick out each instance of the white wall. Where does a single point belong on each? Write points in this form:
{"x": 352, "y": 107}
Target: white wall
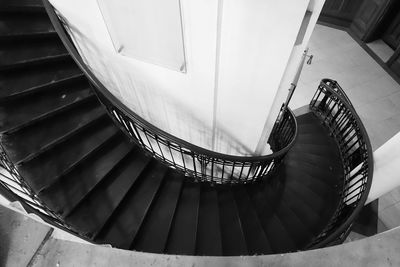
{"x": 386, "y": 175}
{"x": 293, "y": 65}
{"x": 232, "y": 101}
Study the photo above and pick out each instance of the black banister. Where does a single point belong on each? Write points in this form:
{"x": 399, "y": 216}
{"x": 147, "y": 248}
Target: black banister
{"x": 334, "y": 108}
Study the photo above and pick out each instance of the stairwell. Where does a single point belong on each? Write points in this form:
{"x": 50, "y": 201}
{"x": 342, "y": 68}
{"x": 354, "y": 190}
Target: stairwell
{"x": 89, "y": 173}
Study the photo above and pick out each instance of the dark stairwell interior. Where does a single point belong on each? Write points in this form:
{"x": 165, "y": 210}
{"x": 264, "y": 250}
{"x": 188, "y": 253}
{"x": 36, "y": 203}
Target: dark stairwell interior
{"x": 83, "y": 167}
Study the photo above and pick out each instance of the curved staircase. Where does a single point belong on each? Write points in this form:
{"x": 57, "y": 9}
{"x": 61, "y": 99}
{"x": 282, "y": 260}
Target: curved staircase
{"x": 85, "y": 169}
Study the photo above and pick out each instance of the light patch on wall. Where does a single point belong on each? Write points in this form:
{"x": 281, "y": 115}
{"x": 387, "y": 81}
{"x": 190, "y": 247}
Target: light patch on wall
{"x": 147, "y": 30}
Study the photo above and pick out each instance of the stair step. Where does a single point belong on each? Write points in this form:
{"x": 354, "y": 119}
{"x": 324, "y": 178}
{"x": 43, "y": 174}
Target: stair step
{"x": 27, "y": 141}
{"x": 303, "y": 211}
{"x": 317, "y": 168}
{"x": 208, "y": 231}
{"x": 327, "y": 175}
{"x": 30, "y": 80}
{"x": 23, "y": 53}
{"x": 317, "y": 160}
{"x": 265, "y": 206}
{"x": 293, "y": 225}
{"x": 35, "y": 61}
{"x": 21, "y": 6}
{"x": 153, "y": 235}
{"x": 182, "y": 236}
{"x": 319, "y": 186}
{"x": 46, "y": 168}
{"x": 311, "y": 128}
{"x": 127, "y": 220}
{"x": 22, "y": 113}
{"x": 319, "y": 204}
{"x": 233, "y": 241}
{"x": 314, "y": 139}
{"x": 20, "y": 24}
{"x": 256, "y": 240}
{"x": 60, "y": 141}
{"x": 308, "y": 118}
{"x": 96, "y": 211}
{"x": 63, "y": 195}
{"x": 320, "y": 150}
{"x": 17, "y": 113}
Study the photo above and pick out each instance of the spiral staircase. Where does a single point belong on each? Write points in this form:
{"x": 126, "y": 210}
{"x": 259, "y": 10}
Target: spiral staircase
{"x": 84, "y": 162}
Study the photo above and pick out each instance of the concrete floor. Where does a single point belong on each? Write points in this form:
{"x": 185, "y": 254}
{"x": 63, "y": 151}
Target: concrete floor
{"x": 373, "y": 92}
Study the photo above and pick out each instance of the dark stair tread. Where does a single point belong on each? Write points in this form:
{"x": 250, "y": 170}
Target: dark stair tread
{"x": 326, "y": 175}
{"x": 314, "y": 139}
{"x": 68, "y": 191}
{"x": 48, "y": 167}
{"x": 153, "y": 235}
{"x": 317, "y": 160}
{"x": 312, "y": 128}
{"x": 323, "y": 205}
{"x": 16, "y": 114}
{"x": 208, "y": 231}
{"x": 31, "y": 80}
{"x": 329, "y": 170}
{"x": 233, "y": 240}
{"x": 308, "y": 118}
{"x": 310, "y": 218}
{"x": 128, "y": 218}
{"x": 99, "y": 207}
{"x": 316, "y": 184}
{"x": 293, "y": 225}
{"x": 182, "y": 236}
{"x": 20, "y": 53}
{"x": 265, "y": 205}
{"x": 21, "y": 5}
{"x": 35, "y": 61}
{"x": 318, "y": 149}
{"x": 256, "y": 240}
{"x": 29, "y": 140}
{"x": 14, "y": 24}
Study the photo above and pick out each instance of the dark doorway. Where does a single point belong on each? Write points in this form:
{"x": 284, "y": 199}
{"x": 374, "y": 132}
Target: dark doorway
{"x": 391, "y": 36}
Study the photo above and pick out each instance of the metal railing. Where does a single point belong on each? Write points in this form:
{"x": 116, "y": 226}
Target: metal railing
{"x": 333, "y": 107}
{"x": 14, "y": 188}
{"x": 195, "y": 162}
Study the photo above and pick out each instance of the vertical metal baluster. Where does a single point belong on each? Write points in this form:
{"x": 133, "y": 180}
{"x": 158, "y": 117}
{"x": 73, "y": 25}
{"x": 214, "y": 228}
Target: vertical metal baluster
{"x": 183, "y": 159}
{"x": 194, "y": 165}
{"x": 151, "y": 146}
{"x": 223, "y": 170}
{"x": 248, "y": 172}
{"x": 241, "y": 171}
{"x": 212, "y": 170}
{"x": 256, "y": 172}
{"x": 138, "y": 135}
{"x": 170, "y": 152}
{"x": 233, "y": 169}
{"x": 159, "y": 147}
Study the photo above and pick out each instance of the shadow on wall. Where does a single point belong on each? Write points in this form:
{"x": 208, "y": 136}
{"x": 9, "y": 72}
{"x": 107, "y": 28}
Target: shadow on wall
{"x": 165, "y": 112}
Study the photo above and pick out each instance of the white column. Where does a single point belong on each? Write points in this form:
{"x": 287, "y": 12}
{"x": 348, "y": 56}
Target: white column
{"x": 386, "y": 168}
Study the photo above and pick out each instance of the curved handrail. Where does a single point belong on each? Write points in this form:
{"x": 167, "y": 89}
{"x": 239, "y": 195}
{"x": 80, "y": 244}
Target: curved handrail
{"x": 334, "y": 86}
{"x": 337, "y": 112}
{"x": 160, "y": 143}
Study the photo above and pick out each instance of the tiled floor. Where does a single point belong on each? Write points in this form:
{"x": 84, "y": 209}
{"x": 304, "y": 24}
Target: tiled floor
{"x": 375, "y": 95}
